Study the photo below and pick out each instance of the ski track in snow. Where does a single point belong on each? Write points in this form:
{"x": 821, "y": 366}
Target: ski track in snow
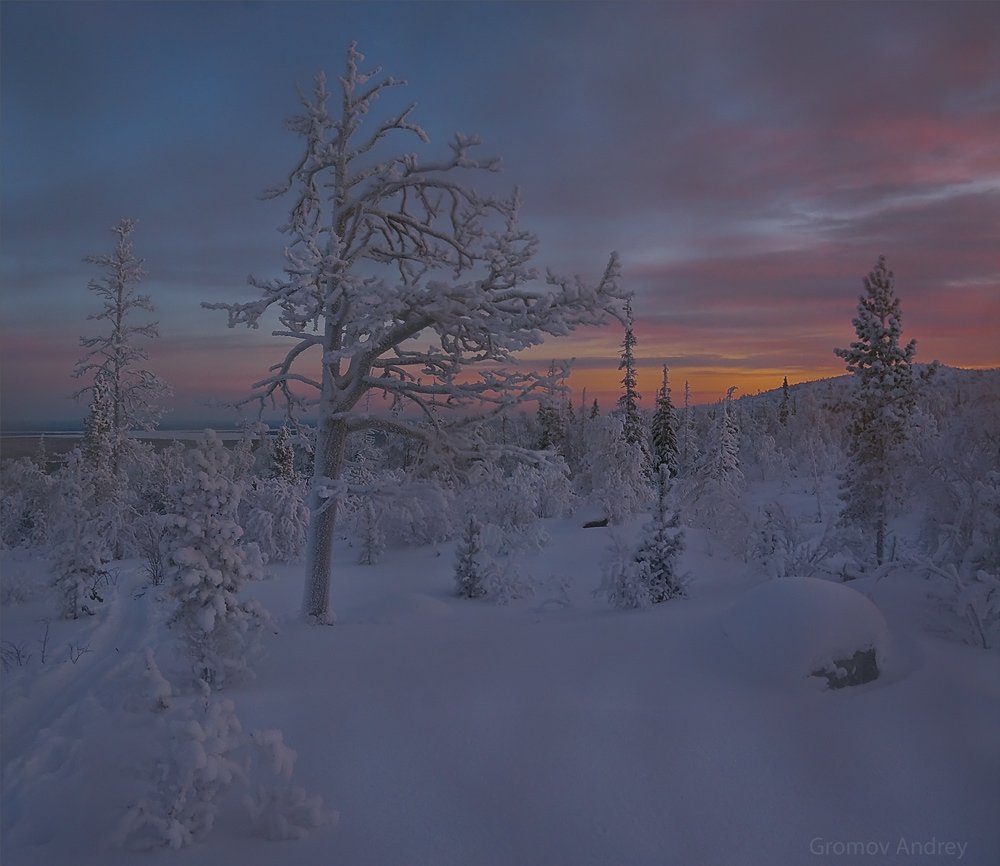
{"x": 43, "y": 730}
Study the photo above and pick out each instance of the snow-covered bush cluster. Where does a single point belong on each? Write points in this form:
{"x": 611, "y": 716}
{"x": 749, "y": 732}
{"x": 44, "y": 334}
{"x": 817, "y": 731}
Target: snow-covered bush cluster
{"x": 207, "y": 759}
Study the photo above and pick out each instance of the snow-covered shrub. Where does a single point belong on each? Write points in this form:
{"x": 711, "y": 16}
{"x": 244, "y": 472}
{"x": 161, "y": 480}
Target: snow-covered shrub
{"x": 208, "y": 757}
{"x": 160, "y": 690}
{"x": 771, "y": 461}
{"x": 503, "y": 579}
{"x": 977, "y": 600}
{"x": 555, "y": 495}
{"x": 500, "y": 498}
{"x": 148, "y": 534}
{"x": 275, "y": 516}
{"x": 780, "y": 546}
{"x": 166, "y": 468}
{"x": 415, "y": 511}
{"x": 25, "y": 503}
{"x": 208, "y": 564}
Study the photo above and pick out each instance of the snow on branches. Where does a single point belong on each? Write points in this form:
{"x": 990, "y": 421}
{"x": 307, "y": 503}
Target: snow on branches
{"x": 398, "y": 278}
{"x": 114, "y": 360}
{"x": 882, "y": 404}
{"x": 208, "y": 565}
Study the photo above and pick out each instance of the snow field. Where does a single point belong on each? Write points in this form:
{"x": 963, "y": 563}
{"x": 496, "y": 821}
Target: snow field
{"x": 553, "y": 730}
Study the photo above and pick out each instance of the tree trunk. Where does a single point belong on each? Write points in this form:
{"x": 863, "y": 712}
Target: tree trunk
{"x": 330, "y": 448}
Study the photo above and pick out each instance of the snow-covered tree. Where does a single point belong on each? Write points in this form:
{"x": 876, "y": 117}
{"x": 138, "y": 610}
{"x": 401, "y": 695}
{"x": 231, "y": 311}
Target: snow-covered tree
{"x": 881, "y": 405}
{"x": 398, "y": 278}
{"x": 688, "y": 441}
{"x": 618, "y": 471}
{"x": 80, "y": 551}
{"x": 283, "y": 456}
{"x": 636, "y": 576}
{"x": 783, "y": 406}
{"x": 114, "y": 361}
{"x": 469, "y": 566}
{"x": 628, "y": 402}
{"x": 623, "y": 580}
{"x": 660, "y": 545}
{"x": 713, "y": 491}
{"x": 720, "y": 464}
{"x": 25, "y": 503}
{"x": 665, "y": 429}
{"x": 550, "y": 417}
{"x": 99, "y": 434}
{"x": 208, "y": 565}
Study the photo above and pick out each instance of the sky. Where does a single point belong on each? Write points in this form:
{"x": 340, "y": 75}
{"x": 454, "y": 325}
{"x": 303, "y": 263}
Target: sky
{"x": 749, "y": 161}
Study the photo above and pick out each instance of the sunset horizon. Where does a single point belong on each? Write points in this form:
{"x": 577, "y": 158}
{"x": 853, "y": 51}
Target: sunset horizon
{"x": 749, "y": 167}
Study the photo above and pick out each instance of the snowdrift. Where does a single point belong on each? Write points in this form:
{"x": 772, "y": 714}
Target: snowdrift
{"x": 802, "y": 631}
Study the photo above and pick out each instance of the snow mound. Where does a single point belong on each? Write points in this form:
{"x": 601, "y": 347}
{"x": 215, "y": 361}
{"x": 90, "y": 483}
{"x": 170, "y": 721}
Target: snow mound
{"x": 790, "y": 628}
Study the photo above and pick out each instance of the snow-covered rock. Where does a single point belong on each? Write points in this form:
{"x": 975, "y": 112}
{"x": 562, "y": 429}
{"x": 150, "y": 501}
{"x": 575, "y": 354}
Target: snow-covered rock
{"x": 797, "y": 630}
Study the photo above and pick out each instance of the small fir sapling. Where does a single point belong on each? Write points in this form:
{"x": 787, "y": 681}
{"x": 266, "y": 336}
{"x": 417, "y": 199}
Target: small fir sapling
{"x": 470, "y": 568}
{"x": 208, "y": 565}
{"x": 372, "y": 537}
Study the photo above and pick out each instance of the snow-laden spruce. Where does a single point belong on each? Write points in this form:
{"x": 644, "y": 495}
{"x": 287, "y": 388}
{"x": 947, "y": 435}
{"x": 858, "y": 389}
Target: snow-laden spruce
{"x": 628, "y": 402}
{"x": 398, "y": 278}
{"x": 665, "y": 429}
{"x": 882, "y": 404}
{"x": 208, "y": 564}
